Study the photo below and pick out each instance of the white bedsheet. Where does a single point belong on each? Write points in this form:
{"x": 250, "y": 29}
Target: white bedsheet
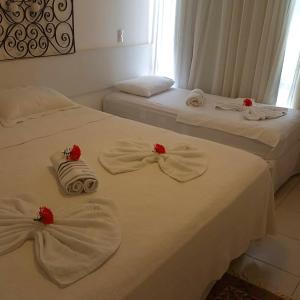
{"x": 269, "y": 132}
{"x": 176, "y": 237}
{"x": 51, "y": 124}
{"x": 224, "y": 127}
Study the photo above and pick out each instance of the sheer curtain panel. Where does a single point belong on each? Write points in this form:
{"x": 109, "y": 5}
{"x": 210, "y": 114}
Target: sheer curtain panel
{"x": 294, "y": 95}
{"x": 232, "y": 48}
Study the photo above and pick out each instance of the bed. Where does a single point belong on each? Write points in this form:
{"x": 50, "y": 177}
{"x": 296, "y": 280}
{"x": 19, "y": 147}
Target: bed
{"x": 177, "y": 238}
{"x": 277, "y": 141}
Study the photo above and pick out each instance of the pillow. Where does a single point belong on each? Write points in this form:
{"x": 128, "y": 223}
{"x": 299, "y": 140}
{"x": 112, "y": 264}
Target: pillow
{"x": 145, "y": 86}
{"x": 21, "y": 103}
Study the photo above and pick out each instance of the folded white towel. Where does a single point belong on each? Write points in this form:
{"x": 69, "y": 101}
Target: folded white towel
{"x": 82, "y": 237}
{"x": 258, "y": 113}
{"x": 182, "y": 162}
{"x": 195, "y": 98}
{"x": 75, "y": 177}
{"x": 231, "y": 104}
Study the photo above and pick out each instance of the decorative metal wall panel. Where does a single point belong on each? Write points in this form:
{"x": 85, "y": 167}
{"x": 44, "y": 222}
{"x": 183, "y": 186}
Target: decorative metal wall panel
{"x": 35, "y": 28}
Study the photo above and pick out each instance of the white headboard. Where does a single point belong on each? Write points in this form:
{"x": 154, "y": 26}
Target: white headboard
{"x": 81, "y": 73}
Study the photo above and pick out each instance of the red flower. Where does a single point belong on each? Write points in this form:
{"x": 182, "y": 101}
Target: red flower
{"x": 247, "y": 102}
{"x": 160, "y": 149}
{"x": 75, "y": 153}
{"x": 45, "y": 216}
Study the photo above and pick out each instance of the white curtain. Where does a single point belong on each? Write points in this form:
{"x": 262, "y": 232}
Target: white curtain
{"x": 232, "y": 48}
{"x": 294, "y": 95}
{"x": 289, "y": 88}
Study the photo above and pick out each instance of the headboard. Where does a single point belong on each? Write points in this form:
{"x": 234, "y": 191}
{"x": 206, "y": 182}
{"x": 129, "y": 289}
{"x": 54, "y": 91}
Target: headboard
{"x": 80, "y": 73}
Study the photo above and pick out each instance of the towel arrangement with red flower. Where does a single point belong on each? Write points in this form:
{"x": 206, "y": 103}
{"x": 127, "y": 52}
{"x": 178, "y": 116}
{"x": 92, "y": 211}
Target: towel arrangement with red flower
{"x": 69, "y": 243}
{"x": 238, "y": 104}
{"x": 73, "y": 173}
{"x": 251, "y": 110}
{"x": 181, "y": 162}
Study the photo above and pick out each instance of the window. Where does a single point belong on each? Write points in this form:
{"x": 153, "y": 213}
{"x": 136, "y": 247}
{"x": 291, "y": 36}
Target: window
{"x": 162, "y": 31}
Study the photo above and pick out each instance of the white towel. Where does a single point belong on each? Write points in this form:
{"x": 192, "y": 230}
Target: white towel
{"x": 258, "y": 113}
{"x": 82, "y": 237}
{"x": 195, "y": 98}
{"x": 75, "y": 176}
{"x": 182, "y": 162}
{"x": 231, "y": 104}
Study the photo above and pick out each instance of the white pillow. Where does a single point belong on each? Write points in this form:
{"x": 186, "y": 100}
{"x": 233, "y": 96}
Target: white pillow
{"x": 145, "y": 86}
{"x": 21, "y": 103}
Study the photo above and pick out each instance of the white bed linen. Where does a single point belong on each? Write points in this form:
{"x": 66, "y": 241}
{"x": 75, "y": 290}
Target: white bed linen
{"x": 29, "y": 102}
{"x": 51, "y": 124}
{"x": 162, "y": 110}
{"x": 176, "y": 238}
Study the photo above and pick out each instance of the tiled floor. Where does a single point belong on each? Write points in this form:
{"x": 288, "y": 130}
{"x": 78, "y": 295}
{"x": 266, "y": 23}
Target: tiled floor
{"x": 274, "y": 262}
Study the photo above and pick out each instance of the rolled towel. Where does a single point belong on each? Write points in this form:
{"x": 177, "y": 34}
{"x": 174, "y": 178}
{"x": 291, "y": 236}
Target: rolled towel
{"x": 195, "y": 98}
{"x": 264, "y": 112}
{"x": 90, "y": 185}
{"x": 75, "y": 177}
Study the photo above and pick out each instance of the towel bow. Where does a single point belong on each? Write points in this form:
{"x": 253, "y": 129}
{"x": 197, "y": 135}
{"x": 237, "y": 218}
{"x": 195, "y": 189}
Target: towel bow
{"x": 182, "y": 162}
{"x": 81, "y": 239}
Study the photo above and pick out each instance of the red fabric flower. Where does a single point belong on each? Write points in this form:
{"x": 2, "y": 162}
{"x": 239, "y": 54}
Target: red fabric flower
{"x": 75, "y": 153}
{"x": 45, "y": 216}
{"x": 247, "y": 102}
{"x": 160, "y": 149}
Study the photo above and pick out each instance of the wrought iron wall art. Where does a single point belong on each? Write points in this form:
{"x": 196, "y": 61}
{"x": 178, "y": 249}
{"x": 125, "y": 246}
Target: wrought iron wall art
{"x": 35, "y": 28}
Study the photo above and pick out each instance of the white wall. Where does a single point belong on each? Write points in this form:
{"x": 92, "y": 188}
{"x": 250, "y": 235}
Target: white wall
{"x": 97, "y": 22}
{"x": 96, "y": 25}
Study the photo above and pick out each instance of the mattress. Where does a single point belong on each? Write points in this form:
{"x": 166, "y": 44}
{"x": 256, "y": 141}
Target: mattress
{"x": 272, "y": 140}
{"x": 176, "y": 237}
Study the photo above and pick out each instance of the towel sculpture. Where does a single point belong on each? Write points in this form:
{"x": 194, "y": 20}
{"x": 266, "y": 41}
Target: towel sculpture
{"x": 69, "y": 243}
{"x": 182, "y": 162}
{"x": 75, "y": 176}
{"x": 264, "y": 112}
{"x": 252, "y": 111}
{"x": 195, "y": 98}
{"x": 237, "y": 104}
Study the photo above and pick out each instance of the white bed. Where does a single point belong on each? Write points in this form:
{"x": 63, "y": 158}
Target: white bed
{"x": 277, "y": 141}
{"x": 176, "y": 237}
